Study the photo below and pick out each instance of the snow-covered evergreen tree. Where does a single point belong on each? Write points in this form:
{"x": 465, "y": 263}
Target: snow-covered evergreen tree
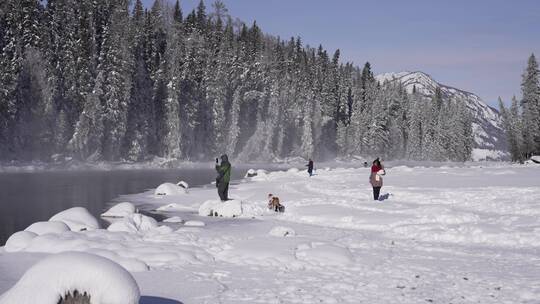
{"x": 531, "y": 107}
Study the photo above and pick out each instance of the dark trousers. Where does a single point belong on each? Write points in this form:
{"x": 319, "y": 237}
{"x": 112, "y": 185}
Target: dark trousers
{"x": 223, "y": 191}
{"x": 376, "y": 191}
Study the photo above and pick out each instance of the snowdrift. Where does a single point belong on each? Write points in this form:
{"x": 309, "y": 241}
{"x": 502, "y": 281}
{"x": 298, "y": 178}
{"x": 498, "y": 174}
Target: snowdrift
{"x": 124, "y": 209}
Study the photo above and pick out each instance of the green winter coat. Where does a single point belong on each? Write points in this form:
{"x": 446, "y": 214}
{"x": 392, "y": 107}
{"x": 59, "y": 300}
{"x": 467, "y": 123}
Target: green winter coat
{"x": 224, "y": 170}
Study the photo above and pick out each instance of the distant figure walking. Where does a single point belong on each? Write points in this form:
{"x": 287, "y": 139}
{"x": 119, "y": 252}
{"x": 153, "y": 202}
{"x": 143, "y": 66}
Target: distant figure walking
{"x": 224, "y": 177}
{"x": 310, "y": 167}
{"x": 375, "y": 178}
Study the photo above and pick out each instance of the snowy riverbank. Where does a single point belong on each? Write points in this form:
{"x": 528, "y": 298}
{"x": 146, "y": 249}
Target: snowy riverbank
{"x": 449, "y": 234}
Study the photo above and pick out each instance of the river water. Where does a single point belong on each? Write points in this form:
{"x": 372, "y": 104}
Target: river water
{"x": 26, "y": 198}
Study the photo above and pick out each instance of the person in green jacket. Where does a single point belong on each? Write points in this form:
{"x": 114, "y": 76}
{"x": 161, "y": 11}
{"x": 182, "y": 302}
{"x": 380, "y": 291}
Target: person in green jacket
{"x": 224, "y": 177}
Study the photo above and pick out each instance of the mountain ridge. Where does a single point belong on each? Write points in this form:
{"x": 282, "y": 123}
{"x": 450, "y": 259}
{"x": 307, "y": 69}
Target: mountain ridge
{"x": 487, "y": 121}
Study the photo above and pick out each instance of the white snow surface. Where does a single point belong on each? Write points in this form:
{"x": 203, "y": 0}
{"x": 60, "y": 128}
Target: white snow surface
{"x": 50, "y": 279}
{"x": 452, "y": 233}
{"x": 77, "y": 218}
{"x": 123, "y": 209}
{"x": 134, "y": 223}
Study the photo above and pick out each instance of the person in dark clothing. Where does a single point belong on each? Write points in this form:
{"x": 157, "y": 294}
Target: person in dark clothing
{"x": 223, "y": 178}
{"x": 375, "y": 178}
{"x": 310, "y": 167}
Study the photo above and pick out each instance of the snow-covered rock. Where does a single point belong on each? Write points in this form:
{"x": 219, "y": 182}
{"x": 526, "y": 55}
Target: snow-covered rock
{"x": 77, "y": 218}
{"x": 169, "y": 189}
{"x": 120, "y": 210}
{"x": 55, "y": 276}
{"x": 232, "y": 208}
{"x": 250, "y": 173}
{"x": 173, "y": 219}
{"x": 282, "y": 231}
{"x": 135, "y": 223}
{"x": 183, "y": 184}
{"x": 256, "y": 175}
{"x": 41, "y": 228}
{"x": 19, "y": 241}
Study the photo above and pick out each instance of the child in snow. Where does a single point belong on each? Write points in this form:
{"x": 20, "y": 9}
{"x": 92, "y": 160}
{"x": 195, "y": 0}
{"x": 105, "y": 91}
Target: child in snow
{"x": 375, "y": 178}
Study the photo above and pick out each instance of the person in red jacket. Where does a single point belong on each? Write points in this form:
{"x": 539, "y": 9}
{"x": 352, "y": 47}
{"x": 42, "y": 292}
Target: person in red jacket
{"x": 375, "y": 178}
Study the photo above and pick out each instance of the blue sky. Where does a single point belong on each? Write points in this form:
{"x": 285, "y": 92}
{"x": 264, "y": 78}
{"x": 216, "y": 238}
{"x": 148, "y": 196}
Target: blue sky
{"x": 479, "y": 46}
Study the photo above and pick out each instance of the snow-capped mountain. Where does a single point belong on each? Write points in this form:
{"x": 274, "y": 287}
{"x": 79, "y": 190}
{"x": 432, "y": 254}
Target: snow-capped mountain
{"x": 487, "y": 124}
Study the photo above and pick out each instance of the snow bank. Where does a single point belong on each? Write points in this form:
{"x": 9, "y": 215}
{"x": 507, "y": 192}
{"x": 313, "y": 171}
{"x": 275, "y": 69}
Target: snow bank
{"x": 50, "y": 279}
{"x": 169, "y": 189}
{"x": 134, "y": 223}
{"x": 120, "y": 210}
{"x": 19, "y": 241}
{"x": 41, "y": 228}
{"x": 232, "y": 208}
{"x": 77, "y": 218}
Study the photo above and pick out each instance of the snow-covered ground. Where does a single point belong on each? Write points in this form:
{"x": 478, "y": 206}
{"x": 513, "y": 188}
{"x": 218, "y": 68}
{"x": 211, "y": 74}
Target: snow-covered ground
{"x": 467, "y": 234}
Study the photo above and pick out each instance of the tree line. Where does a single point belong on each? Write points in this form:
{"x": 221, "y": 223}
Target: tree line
{"x": 110, "y": 80}
{"x": 522, "y": 119}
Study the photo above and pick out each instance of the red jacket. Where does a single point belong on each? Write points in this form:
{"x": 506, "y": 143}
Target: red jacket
{"x": 375, "y": 169}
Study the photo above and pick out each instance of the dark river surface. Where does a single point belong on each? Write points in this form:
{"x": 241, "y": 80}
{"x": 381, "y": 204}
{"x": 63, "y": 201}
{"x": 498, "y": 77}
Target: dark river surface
{"x": 30, "y": 197}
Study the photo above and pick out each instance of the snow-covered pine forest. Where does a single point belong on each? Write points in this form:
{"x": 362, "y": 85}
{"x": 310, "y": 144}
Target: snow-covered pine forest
{"x": 522, "y": 119}
{"x": 110, "y": 80}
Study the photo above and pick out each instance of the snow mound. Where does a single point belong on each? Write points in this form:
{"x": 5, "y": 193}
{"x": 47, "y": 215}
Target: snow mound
{"x": 169, "y": 189}
{"x": 232, "y": 208}
{"x": 19, "y": 241}
{"x": 41, "y": 228}
{"x": 174, "y": 207}
{"x": 282, "y": 231}
{"x": 183, "y": 184}
{"x": 174, "y": 219}
{"x": 134, "y": 223}
{"x": 325, "y": 255}
{"x": 293, "y": 170}
{"x": 120, "y": 210}
{"x": 194, "y": 224}
{"x": 77, "y": 218}
{"x": 50, "y": 279}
